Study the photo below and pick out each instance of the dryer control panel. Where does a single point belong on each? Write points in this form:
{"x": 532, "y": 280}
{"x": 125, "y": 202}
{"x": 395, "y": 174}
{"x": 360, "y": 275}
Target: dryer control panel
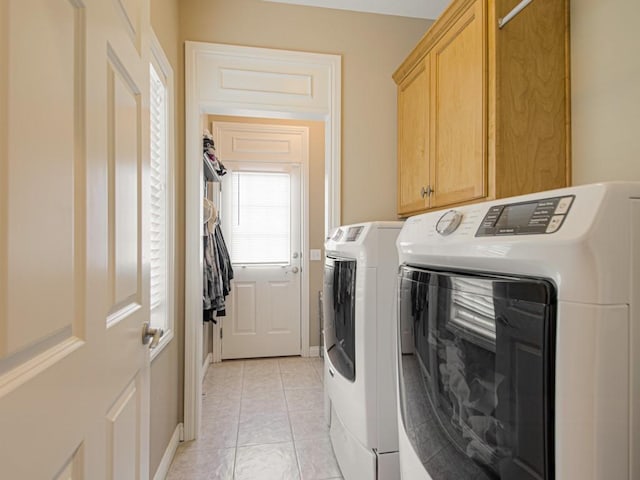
{"x": 353, "y": 233}
{"x": 526, "y": 218}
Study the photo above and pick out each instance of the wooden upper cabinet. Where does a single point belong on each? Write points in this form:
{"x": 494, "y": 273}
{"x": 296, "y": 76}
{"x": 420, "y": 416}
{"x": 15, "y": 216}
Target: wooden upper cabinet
{"x": 494, "y": 121}
{"x": 457, "y": 127}
{"x": 413, "y": 140}
{"x": 532, "y": 107}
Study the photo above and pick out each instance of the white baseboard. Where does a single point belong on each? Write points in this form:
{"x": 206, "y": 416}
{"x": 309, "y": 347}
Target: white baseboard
{"x": 314, "y": 351}
{"x": 205, "y": 365}
{"x": 167, "y": 458}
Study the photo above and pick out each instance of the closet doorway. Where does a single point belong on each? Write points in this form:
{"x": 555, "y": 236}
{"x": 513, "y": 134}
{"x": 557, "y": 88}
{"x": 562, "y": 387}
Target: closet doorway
{"x": 251, "y": 82}
{"x": 264, "y": 221}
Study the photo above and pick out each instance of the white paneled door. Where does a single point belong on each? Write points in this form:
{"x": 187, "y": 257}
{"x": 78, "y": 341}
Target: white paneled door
{"x": 74, "y": 393}
{"x": 262, "y": 222}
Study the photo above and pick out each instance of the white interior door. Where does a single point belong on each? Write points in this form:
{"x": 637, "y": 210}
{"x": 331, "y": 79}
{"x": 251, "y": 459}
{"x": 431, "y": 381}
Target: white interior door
{"x": 74, "y": 395}
{"x": 261, "y": 220}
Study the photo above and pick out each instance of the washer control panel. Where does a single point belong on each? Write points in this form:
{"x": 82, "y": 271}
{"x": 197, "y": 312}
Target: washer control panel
{"x": 353, "y": 233}
{"x": 526, "y": 218}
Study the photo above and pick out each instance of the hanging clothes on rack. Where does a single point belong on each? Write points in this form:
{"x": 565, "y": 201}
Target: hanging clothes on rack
{"x": 209, "y": 273}
{"x": 213, "y": 166}
{"x": 217, "y": 270}
{"x": 224, "y": 260}
{"x": 217, "y": 275}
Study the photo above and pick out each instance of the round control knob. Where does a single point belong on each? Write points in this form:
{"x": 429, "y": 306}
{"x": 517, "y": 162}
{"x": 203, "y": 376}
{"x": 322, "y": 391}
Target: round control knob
{"x": 449, "y": 222}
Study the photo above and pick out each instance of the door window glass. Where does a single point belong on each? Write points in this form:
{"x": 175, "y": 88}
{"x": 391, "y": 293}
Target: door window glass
{"x": 261, "y": 218}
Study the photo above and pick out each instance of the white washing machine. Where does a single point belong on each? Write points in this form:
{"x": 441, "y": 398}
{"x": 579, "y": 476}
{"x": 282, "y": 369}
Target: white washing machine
{"x": 520, "y": 338}
{"x": 361, "y": 266}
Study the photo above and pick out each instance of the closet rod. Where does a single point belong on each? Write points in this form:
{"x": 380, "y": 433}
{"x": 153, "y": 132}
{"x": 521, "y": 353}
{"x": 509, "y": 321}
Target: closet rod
{"x": 516, "y": 10}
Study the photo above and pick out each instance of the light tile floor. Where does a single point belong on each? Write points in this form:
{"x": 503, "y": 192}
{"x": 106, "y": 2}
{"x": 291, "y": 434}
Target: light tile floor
{"x": 261, "y": 420}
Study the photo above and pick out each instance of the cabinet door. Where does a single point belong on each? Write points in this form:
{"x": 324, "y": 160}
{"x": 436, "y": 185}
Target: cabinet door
{"x": 413, "y": 140}
{"x": 458, "y": 158}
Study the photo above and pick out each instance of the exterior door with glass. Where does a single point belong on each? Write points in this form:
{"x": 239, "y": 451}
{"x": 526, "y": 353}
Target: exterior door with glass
{"x": 262, "y": 227}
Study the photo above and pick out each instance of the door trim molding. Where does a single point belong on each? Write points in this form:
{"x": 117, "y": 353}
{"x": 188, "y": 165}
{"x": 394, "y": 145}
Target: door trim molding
{"x": 254, "y": 82}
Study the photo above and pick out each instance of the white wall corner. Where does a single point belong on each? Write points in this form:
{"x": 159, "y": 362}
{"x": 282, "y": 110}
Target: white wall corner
{"x": 314, "y": 351}
{"x": 205, "y": 365}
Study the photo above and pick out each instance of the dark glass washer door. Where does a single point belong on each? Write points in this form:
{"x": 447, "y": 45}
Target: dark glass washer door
{"x": 476, "y": 375}
{"x": 339, "y": 314}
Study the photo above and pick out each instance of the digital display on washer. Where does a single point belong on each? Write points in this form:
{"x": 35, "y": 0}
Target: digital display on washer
{"x": 516, "y": 215}
{"x": 526, "y": 218}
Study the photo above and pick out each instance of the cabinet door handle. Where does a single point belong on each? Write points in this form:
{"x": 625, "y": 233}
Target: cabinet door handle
{"x": 426, "y": 192}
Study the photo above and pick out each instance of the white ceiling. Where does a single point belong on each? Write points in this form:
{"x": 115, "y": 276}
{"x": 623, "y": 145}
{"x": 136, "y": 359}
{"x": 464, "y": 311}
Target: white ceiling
{"x": 404, "y": 8}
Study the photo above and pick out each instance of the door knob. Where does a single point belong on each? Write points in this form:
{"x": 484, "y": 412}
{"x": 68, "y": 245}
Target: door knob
{"x": 295, "y": 269}
{"x": 151, "y": 335}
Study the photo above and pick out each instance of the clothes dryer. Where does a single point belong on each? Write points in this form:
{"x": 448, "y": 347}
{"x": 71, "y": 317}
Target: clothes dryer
{"x": 519, "y": 332}
{"x": 360, "y": 272}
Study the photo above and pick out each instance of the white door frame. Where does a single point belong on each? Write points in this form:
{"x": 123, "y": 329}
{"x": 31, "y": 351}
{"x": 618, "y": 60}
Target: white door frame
{"x": 253, "y": 82}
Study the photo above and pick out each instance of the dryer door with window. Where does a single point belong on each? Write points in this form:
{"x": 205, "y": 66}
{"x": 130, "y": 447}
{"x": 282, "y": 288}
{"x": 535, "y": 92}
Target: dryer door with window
{"x": 476, "y": 383}
{"x": 339, "y": 314}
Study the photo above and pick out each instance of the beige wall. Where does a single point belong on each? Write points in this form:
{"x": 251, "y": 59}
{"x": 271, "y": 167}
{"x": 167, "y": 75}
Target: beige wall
{"x": 167, "y": 368}
{"x": 372, "y": 46}
{"x": 605, "y": 84}
{"x": 316, "y": 206}
{"x": 164, "y": 21}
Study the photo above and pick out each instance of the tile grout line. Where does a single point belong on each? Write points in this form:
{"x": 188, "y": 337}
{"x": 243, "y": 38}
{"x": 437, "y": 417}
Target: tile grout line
{"x": 293, "y": 440}
{"x": 235, "y": 450}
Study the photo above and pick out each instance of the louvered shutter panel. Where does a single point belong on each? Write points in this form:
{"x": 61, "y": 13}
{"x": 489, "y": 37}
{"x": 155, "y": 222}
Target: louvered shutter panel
{"x": 158, "y": 208}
